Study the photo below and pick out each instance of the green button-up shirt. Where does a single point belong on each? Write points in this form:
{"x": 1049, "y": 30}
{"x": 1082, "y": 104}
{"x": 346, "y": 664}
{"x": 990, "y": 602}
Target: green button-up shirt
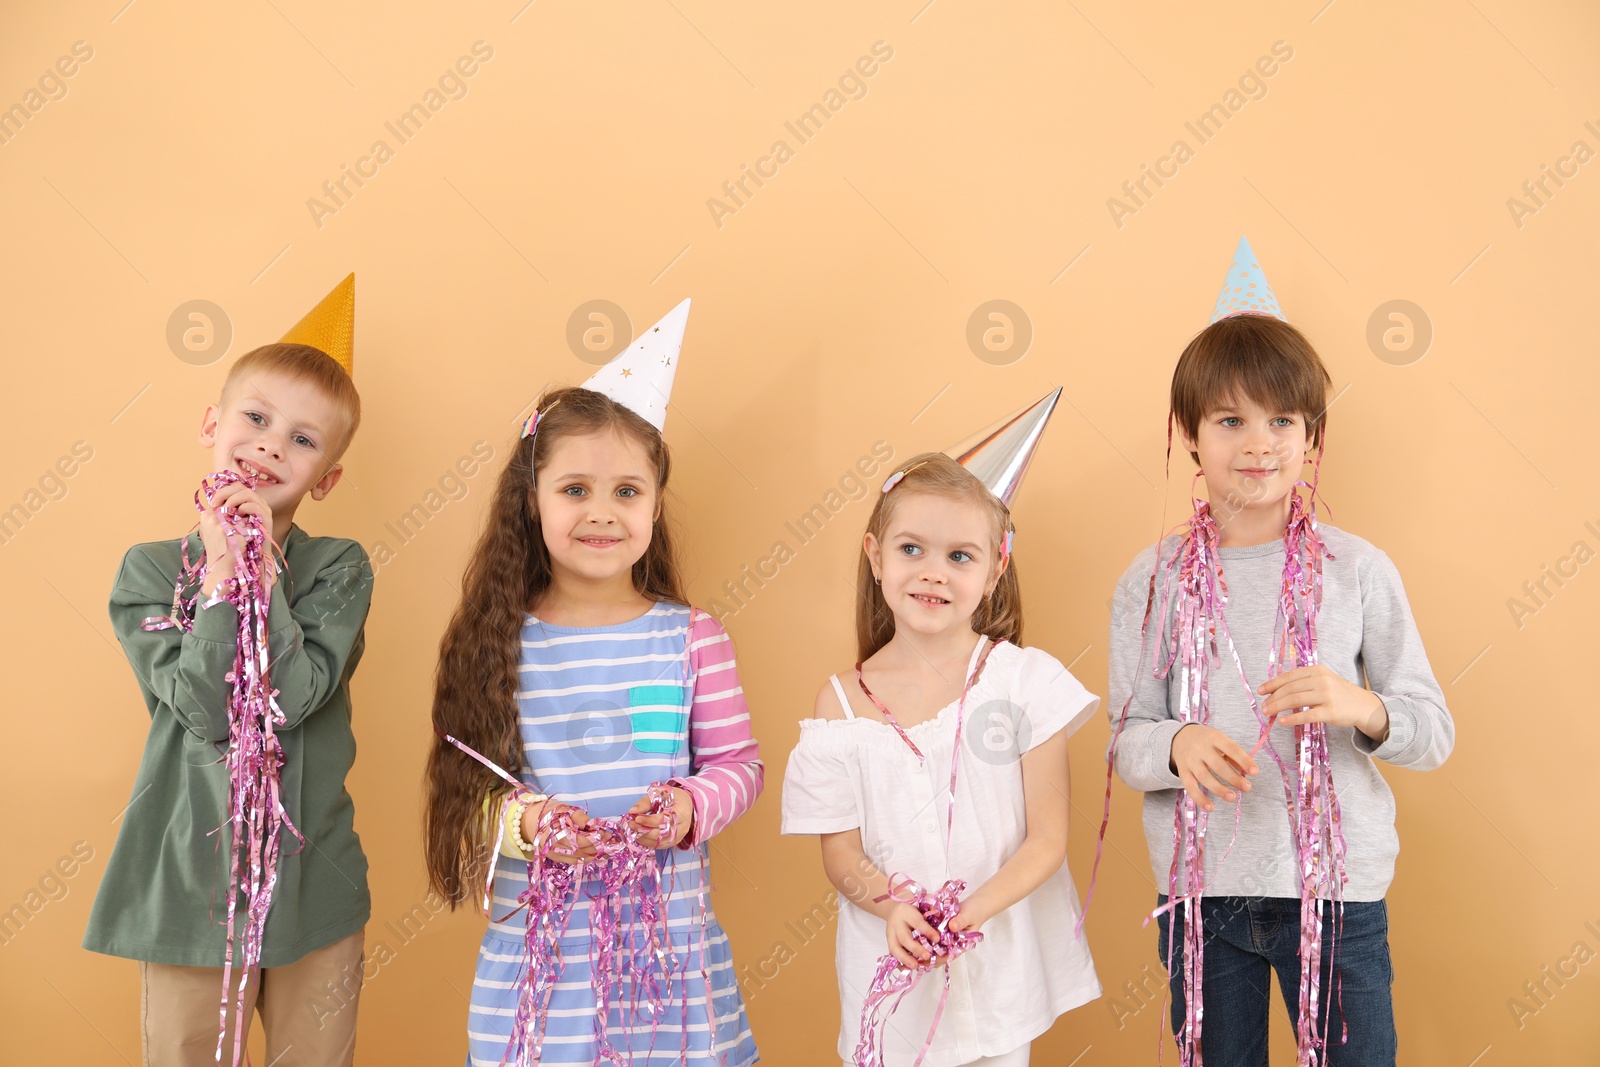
{"x": 165, "y": 892}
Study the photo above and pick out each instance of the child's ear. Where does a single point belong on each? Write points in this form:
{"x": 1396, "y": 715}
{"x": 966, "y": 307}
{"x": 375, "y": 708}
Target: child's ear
{"x": 998, "y": 574}
{"x": 869, "y": 545}
{"x": 208, "y": 426}
{"x": 326, "y": 483}
{"x": 1188, "y": 443}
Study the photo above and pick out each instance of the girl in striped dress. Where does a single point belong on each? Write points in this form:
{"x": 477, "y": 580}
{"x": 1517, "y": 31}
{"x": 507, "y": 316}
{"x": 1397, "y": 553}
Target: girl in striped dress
{"x": 575, "y": 663}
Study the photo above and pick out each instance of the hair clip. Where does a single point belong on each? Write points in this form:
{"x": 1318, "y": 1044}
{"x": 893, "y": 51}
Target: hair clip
{"x": 1005, "y": 548}
{"x": 531, "y": 427}
{"x": 894, "y": 479}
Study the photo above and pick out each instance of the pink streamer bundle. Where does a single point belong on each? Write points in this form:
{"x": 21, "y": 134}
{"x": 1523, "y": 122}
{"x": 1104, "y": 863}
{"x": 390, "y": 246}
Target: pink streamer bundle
{"x": 628, "y": 931}
{"x": 892, "y": 980}
{"x": 1194, "y": 594}
{"x": 255, "y": 815}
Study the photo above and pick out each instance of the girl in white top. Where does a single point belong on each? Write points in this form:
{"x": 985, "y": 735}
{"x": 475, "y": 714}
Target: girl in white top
{"x": 940, "y": 599}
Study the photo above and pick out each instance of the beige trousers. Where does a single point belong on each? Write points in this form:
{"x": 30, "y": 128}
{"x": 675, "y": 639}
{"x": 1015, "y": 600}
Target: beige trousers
{"x": 308, "y": 1009}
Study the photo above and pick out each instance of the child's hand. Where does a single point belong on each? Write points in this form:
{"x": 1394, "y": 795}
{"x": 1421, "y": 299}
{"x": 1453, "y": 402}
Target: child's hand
{"x": 682, "y": 807}
{"x": 214, "y": 533}
{"x": 578, "y": 851}
{"x": 972, "y": 914}
{"x": 1318, "y": 694}
{"x": 245, "y": 501}
{"x": 215, "y": 539}
{"x": 1201, "y": 755}
{"x": 903, "y": 921}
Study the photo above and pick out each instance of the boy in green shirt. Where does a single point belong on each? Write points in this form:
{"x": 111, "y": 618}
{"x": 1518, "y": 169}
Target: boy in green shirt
{"x": 286, "y": 415}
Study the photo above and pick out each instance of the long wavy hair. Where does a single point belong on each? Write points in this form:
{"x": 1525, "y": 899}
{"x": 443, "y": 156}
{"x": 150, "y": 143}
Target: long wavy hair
{"x": 999, "y": 615}
{"x": 475, "y": 685}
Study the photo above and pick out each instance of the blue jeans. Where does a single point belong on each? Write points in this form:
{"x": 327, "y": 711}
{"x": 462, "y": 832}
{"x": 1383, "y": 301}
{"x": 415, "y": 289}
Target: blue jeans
{"x": 1248, "y": 938}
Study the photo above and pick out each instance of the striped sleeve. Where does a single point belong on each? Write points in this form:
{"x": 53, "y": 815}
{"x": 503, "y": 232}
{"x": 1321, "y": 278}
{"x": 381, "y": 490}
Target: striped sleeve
{"x": 728, "y": 774}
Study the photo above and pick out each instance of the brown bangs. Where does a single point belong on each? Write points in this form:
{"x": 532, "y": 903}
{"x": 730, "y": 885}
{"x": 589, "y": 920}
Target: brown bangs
{"x": 1257, "y": 357}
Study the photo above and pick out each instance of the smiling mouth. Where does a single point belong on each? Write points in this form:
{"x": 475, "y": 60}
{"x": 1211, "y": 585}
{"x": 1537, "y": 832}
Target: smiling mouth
{"x": 930, "y": 600}
{"x": 261, "y": 476}
{"x": 600, "y": 542}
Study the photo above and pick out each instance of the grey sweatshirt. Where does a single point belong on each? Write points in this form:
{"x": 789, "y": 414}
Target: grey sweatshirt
{"x": 1365, "y": 625}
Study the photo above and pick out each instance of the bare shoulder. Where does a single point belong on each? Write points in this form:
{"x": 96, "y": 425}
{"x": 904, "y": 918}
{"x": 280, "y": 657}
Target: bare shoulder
{"x": 827, "y": 706}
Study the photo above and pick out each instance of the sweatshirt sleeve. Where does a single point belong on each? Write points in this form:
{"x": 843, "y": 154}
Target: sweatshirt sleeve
{"x": 728, "y": 774}
{"x": 311, "y": 644}
{"x": 1141, "y": 752}
{"x": 1421, "y": 731}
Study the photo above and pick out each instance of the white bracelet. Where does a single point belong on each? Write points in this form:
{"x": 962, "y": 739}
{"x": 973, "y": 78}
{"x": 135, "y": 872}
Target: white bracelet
{"x": 517, "y": 809}
{"x": 521, "y": 805}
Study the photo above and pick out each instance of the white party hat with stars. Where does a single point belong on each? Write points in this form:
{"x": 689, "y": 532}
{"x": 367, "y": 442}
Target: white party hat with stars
{"x": 640, "y": 376}
{"x": 1246, "y": 292}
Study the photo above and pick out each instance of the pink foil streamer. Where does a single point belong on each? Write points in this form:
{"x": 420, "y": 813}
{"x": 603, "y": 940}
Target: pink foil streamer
{"x": 628, "y": 922}
{"x": 630, "y": 884}
{"x": 1314, "y": 813}
{"x": 255, "y": 815}
{"x": 892, "y": 980}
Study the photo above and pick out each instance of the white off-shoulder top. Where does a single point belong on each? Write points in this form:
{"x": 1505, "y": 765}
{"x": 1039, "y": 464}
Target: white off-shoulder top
{"x": 855, "y": 772}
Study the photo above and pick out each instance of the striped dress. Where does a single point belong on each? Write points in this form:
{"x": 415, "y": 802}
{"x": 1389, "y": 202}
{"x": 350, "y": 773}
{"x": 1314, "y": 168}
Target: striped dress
{"x": 605, "y": 712}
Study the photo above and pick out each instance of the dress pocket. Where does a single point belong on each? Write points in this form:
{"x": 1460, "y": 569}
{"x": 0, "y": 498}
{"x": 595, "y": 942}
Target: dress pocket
{"x": 660, "y": 718}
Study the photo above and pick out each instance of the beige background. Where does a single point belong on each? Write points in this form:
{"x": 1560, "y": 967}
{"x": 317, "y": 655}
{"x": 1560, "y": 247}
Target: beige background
{"x": 831, "y": 312}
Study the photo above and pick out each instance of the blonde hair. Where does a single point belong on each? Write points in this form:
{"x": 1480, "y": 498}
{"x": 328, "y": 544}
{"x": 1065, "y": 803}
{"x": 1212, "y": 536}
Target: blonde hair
{"x": 314, "y": 367}
{"x": 999, "y": 615}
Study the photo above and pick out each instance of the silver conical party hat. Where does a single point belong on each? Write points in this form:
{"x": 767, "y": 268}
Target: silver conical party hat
{"x": 999, "y": 456}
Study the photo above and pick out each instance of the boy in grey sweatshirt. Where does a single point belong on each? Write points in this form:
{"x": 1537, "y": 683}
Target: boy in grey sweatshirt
{"x": 1249, "y": 398}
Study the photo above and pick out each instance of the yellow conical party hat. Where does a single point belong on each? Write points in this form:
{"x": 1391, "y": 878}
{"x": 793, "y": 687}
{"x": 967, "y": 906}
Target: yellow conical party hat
{"x": 331, "y": 325}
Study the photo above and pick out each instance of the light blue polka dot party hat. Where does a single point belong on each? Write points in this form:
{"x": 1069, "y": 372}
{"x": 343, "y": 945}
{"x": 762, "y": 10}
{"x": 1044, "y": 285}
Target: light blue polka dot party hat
{"x": 1246, "y": 292}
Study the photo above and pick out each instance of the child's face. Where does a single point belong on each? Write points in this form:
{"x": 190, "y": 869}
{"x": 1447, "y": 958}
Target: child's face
{"x": 596, "y": 497}
{"x": 1251, "y": 455}
{"x": 937, "y": 561}
{"x": 277, "y": 427}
